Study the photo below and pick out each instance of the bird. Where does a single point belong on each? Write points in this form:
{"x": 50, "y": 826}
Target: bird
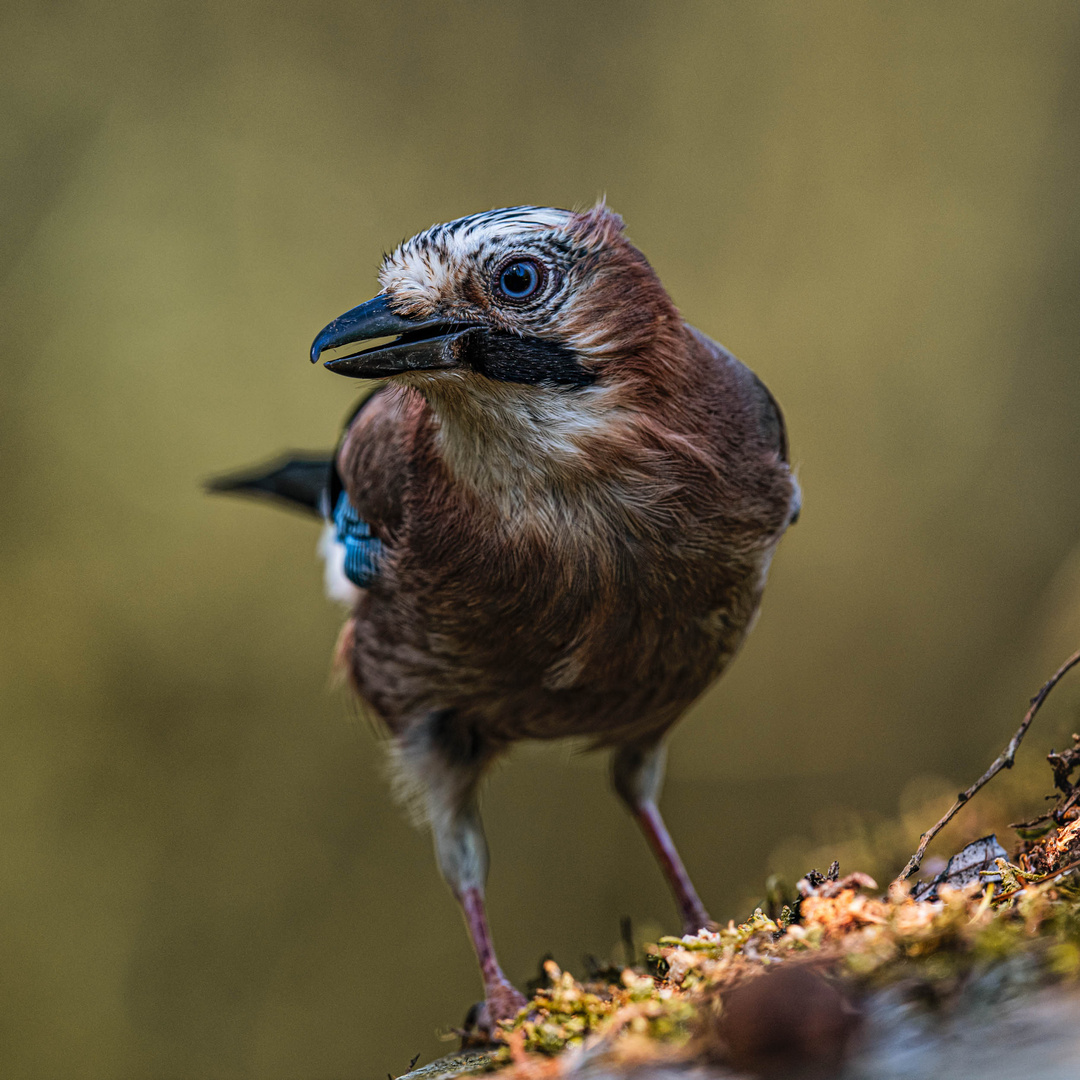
{"x": 553, "y": 518}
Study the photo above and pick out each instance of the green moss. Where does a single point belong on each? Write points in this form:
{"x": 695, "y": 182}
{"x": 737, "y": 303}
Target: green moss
{"x": 1032, "y": 930}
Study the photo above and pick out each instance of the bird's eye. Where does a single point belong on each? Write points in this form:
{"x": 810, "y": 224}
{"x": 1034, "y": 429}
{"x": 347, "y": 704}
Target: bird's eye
{"x": 520, "y": 279}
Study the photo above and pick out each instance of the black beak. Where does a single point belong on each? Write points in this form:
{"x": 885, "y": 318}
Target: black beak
{"x": 424, "y": 344}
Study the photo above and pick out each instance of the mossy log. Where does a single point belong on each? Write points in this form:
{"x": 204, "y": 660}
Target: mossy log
{"x": 979, "y": 982}
{"x": 974, "y": 973}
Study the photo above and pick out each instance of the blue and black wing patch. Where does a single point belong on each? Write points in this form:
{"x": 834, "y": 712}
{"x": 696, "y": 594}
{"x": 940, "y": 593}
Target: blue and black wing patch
{"x": 311, "y": 483}
{"x": 362, "y": 550}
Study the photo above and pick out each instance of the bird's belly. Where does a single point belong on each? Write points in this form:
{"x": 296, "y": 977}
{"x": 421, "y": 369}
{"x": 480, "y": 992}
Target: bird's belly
{"x": 606, "y": 667}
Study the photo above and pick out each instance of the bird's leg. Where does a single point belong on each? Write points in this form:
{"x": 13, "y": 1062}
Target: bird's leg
{"x": 638, "y": 772}
{"x": 461, "y": 849}
{"x": 444, "y": 759}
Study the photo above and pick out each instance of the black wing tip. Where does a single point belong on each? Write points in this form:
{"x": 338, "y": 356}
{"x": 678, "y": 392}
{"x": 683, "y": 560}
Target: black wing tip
{"x": 299, "y": 480}
{"x": 235, "y": 485}
{"x": 225, "y": 484}
{"x": 259, "y": 476}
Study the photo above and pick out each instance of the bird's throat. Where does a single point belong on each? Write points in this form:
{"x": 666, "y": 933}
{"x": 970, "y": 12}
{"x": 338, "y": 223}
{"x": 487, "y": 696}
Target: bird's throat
{"x": 510, "y": 443}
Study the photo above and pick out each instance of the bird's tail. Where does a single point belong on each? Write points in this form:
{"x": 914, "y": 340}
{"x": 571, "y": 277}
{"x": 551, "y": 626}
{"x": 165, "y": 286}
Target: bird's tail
{"x": 299, "y": 481}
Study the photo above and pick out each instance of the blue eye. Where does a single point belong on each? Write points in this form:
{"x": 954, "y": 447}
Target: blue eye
{"x": 520, "y": 279}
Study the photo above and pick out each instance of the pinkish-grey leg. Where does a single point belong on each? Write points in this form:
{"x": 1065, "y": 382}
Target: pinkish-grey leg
{"x": 443, "y": 759}
{"x": 462, "y": 853}
{"x": 638, "y": 773}
{"x": 502, "y": 1000}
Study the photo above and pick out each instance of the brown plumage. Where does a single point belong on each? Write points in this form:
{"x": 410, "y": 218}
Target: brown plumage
{"x": 604, "y": 597}
{"x": 577, "y": 496}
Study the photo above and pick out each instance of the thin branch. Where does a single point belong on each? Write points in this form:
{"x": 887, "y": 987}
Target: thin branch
{"x": 1003, "y": 761}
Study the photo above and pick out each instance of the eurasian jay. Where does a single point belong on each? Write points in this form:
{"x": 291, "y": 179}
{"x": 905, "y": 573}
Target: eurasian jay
{"x": 553, "y": 519}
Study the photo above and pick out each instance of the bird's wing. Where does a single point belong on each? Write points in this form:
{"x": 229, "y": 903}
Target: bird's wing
{"x": 370, "y": 463}
{"x": 366, "y": 486}
{"x": 770, "y": 417}
{"x": 357, "y": 489}
{"x": 766, "y": 417}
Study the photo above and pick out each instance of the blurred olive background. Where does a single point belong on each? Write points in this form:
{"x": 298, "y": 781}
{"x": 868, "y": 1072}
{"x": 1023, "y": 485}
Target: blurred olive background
{"x": 875, "y": 205}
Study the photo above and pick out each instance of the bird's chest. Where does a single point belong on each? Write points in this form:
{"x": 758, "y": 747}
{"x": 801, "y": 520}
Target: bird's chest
{"x": 557, "y": 586}
{"x": 571, "y": 588}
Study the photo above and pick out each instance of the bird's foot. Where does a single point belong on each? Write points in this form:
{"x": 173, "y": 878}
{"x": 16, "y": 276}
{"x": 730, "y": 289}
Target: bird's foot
{"x": 504, "y": 1001}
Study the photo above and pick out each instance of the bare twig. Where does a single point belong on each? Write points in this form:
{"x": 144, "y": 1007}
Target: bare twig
{"x": 1003, "y": 761}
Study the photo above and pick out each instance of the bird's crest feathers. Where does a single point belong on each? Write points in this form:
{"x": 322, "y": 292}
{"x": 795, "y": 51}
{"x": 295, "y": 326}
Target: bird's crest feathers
{"x": 449, "y": 265}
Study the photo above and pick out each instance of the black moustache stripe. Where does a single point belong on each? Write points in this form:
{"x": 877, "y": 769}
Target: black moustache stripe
{"x": 509, "y": 358}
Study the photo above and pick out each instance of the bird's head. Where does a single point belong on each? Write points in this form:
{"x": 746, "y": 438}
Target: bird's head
{"x": 526, "y": 295}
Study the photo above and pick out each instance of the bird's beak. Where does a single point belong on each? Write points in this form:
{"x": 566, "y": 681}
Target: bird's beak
{"x": 423, "y": 345}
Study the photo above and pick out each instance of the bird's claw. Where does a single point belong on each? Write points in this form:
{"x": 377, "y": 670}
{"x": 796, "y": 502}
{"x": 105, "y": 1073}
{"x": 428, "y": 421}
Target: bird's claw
{"x": 504, "y": 1001}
